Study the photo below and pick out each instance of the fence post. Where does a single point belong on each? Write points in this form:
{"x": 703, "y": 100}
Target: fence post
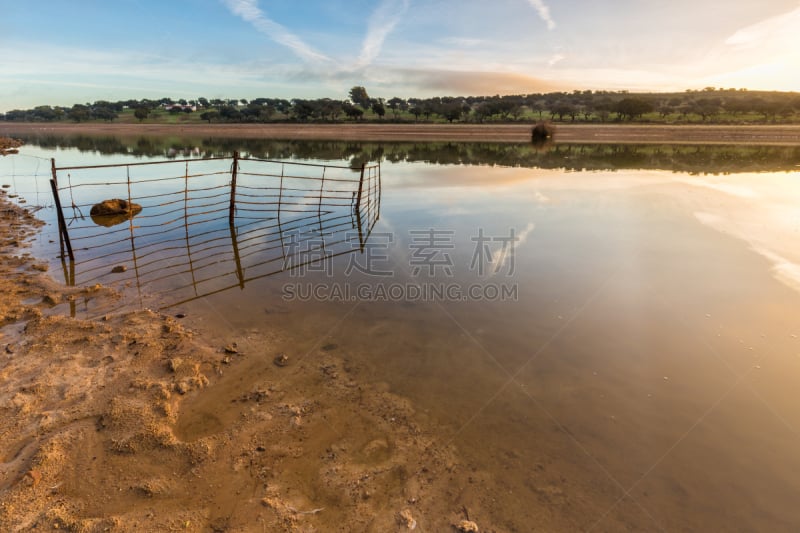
{"x": 360, "y": 186}
{"x": 234, "y": 170}
{"x": 63, "y": 236}
{"x": 236, "y": 258}
{"x": 358, "y": 208}
{"x": 380, "y": 192}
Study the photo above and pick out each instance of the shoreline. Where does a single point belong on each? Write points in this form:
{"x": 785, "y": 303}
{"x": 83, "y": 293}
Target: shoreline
{"x": 775, "y": 135}
{"x": 138, "y": 421}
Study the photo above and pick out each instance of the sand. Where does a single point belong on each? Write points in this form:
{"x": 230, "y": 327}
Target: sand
{"x": 135, "y": 422}
{"x": 517, "y": 133}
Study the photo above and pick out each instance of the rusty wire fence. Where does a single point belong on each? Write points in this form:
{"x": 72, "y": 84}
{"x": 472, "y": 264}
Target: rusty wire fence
{"x": 209, "y": 225}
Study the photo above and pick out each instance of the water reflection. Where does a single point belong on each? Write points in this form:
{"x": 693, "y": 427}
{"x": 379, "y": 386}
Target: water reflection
{"x": 700, "y": 159}
{"x": 197, "y": 235}
{"x": 645, "y": 378}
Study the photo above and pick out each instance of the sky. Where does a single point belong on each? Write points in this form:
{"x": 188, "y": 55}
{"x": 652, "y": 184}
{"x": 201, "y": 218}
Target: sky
{"x": 61, "y": 52}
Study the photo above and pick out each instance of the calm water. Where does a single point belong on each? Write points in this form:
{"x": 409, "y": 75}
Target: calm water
{"x": 616, "y": 345}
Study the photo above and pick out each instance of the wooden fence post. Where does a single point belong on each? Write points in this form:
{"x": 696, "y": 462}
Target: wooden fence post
{"x": 234, "y": 171}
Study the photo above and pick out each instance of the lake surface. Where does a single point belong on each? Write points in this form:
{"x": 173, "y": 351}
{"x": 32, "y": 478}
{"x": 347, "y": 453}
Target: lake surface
{"x": 608, "y": 334}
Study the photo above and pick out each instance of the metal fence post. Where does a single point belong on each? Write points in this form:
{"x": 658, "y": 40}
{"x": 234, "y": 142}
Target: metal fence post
{"x": 234, "y": 171}
{"x": 360, "y": 186}
{"x": 62, "y": 225}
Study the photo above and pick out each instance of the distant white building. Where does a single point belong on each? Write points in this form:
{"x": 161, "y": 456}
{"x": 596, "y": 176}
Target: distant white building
{"x": 170, "y": 107}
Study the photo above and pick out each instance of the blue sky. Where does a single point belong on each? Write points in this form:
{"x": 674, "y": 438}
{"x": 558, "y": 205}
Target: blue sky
{"x": 60, "y": 52}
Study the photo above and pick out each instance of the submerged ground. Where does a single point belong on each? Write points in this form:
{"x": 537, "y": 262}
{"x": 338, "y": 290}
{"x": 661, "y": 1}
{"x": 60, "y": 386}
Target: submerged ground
{"x": 652, "y": 355}
{"x": 106, "y": 426}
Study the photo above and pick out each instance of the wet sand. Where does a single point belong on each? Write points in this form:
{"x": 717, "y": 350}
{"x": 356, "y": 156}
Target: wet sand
{"x": 136, "y": 422}
{"x": 512, "y": 133}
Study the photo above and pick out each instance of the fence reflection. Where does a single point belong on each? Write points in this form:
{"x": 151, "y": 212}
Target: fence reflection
{"x": 212, "y": 225}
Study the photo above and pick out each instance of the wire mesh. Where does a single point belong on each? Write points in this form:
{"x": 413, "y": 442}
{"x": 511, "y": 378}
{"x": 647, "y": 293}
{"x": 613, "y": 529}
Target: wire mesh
{"x": 203, "y": 228}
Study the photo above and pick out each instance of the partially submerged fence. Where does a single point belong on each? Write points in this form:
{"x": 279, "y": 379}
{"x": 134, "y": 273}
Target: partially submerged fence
{"x": 208, "y": 225}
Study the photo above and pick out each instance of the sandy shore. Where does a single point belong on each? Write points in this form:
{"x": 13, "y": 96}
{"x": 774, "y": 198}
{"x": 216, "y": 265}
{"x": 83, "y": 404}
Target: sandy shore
{"x": 136, "y": 422}
{"x": 517, "y": 133}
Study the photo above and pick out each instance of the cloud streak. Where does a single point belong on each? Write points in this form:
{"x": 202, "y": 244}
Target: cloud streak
{"x": 770, "y": 29}
{"x": 381, "y": 24}
{"x": 544, "y": 13}
{"x": 249, "y": 11}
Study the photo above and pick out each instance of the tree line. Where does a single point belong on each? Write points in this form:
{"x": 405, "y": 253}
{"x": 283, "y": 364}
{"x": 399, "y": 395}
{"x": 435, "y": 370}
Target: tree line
{"x": 710, "y": 105}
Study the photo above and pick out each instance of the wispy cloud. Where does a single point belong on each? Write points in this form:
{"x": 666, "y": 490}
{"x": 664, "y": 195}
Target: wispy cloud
{"x": 381, "y": 24}
{"x": 544, "y": 13}
{"x": 464, "y": 42}
{"x": 249, "y": 11}
{"x": 501, "y": 257}
{"x": 555, "y": 59}
{"x": 784, "y": 25}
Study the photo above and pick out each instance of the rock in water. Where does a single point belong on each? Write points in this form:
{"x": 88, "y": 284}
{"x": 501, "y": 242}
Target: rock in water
{"x": 111, "y": 212}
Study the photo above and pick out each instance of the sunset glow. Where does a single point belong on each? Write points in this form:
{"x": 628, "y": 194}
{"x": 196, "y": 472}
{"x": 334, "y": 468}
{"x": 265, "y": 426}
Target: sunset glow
{"x": 249, "y": 48}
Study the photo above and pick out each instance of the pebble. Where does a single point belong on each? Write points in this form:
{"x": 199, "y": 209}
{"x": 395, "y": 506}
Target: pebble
{"x": 407, "y": 519}
{"x": 180, "y": 315}
{"x": 281, "y": 359}
{"x": 231, "y": 348}
{"x": 119, "y": 269}
{"x": 467, "y": 526}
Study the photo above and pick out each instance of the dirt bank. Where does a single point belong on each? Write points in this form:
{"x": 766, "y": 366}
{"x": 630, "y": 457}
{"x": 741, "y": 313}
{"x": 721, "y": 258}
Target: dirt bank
{"x": 135, "y": 423}
{"x": 566, "y": 133}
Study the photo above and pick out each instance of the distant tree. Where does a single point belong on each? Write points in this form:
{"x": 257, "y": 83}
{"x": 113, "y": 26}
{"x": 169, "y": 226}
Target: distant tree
{"x": 353, "y": 112}
{"x": 104, "y": 113}
{"x": 141, "y": 113}
{"x": 230, "y": 113}
{"x": 416, "y": 111}
{"x": 768, "y": 108}
{"x": 378, "y": 108}
{"x": 78, "y": 113}
{"x": 705, "y": 107}
{"x": 397, "y": 105}
{"x": 451, "y": 111}
{"x": 564, "y": 108}
{"x": 536, "y": 105}
{"x": 358, "y": 95}
{"x": 203, "y": 102}
{"x": 633, "y": 107}
{"x": 210, "y": 115}
{"x": 483, "y": 111}
{"x": 304, "y": 109}
{"x": 45, "y": 113}
{"x": 243, "y": 101}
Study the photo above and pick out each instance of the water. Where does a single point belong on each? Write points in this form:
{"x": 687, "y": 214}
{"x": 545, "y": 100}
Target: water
{"x": 629, "y": 352}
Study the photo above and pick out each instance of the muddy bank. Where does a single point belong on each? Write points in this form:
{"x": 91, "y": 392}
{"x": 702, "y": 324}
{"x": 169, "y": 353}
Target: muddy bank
{"x": 135, "y": 422}
{"x": 513, "y": 133}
